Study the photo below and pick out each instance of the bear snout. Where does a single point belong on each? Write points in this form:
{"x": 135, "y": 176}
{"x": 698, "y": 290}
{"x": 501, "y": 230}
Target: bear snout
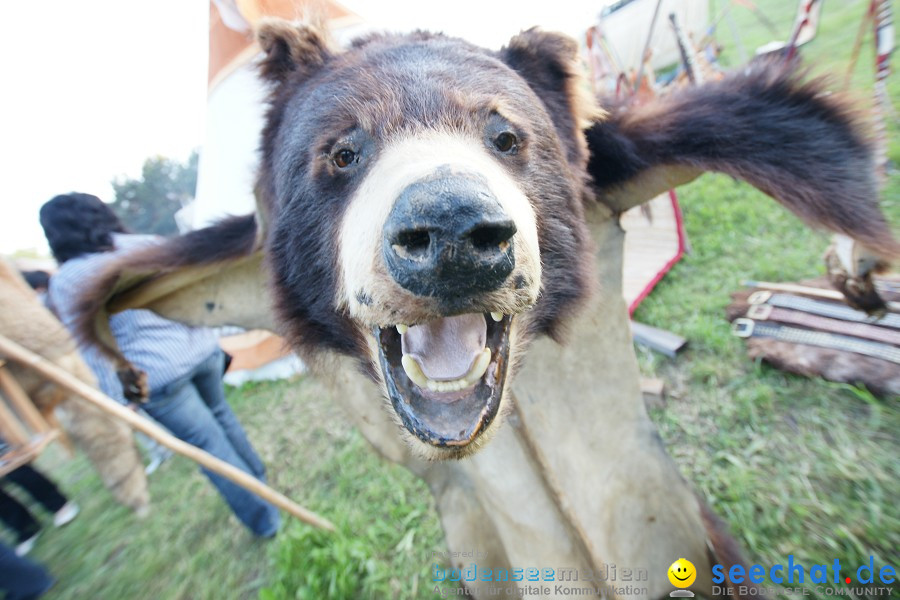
{"x": 448, "y": 237}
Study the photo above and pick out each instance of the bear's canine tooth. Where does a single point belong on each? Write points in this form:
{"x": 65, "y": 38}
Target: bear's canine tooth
{"x": 401, "y": 329}
{"x": 480, "y": 366}
{"x": 497, "y": 316}
{"x": 414, "y": 371}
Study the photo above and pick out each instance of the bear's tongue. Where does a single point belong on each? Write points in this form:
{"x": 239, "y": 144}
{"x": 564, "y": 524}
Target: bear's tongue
{"x": 446, "y": 348}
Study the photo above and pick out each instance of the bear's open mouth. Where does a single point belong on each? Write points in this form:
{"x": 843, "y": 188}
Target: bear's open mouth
{"x": 445, "y": 377}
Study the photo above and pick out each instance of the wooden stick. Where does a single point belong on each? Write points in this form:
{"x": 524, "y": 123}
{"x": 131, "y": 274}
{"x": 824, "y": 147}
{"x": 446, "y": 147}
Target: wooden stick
{"x": 21, "y": 403}
{"x": 22, "y": 455}
{"x": 793, "y": 288}
{"x": 857, "y": 45}
{"x": 10, "y": 427}
{"x": 643, "y": 57}
{"x": 15, "y": 352}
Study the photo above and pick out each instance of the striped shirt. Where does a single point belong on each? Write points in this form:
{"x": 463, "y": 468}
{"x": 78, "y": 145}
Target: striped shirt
{"x": 164, "y": 349}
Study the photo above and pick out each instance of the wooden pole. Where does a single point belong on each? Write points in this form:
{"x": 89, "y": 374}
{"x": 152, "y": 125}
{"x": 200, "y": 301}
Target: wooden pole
{"x": 22, "y": 455}
{"x": 793, "y": 288}
{"x": 688, "y": 56}
{"x": 857, "y": 45}
{"x": 643, "y": 57}
{"x": 15, "y": 352}
{"x": 804, "y": 21}
{"x": 21, "y": 403}
{"x": 10, "y": 427}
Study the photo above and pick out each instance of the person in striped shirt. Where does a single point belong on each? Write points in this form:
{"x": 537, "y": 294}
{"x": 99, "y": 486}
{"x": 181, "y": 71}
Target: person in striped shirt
{"x": 184, "y": 365}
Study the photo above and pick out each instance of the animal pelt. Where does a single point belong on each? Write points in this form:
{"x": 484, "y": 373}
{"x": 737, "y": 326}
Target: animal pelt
{"x": 392, "y": 102}
{"x": 108, "y": 443}
{"x": 767, "y": 124}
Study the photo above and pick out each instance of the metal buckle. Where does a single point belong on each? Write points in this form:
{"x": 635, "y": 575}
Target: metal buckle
{"x": 760, "y": 312}
{"x": 759, "y": 297}
{"x": 742, "y": 328}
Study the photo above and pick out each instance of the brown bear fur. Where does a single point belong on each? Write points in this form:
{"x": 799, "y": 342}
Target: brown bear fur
{"x": 108, "y": 443}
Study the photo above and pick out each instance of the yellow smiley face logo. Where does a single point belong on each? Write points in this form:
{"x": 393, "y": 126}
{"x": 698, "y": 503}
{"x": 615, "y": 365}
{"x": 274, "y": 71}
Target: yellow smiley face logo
{"x": 682, "y": 573}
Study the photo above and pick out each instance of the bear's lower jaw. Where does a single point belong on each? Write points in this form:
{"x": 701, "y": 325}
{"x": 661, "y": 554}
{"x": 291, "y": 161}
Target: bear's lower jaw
{"x": 449, "y": 415}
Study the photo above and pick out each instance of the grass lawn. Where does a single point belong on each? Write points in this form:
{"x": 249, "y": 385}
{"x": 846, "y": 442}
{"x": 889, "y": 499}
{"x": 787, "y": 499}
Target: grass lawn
{"x": 796, "y": 466}
{"x": 192, "y": 547}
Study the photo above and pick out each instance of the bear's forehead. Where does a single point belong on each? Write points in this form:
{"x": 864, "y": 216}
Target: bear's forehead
{"x": 393, "y": 82}
{"x": 415, "y": 57}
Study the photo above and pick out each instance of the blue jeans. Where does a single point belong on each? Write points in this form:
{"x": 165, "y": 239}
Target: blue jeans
{"x": 194, "y": 409}
{"x": 21, "y": 578}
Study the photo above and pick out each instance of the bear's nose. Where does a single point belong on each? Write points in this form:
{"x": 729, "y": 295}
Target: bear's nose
{"x": 449, "y": 237}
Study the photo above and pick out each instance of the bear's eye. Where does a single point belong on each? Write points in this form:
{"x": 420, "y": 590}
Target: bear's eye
{"x": 505, "y": 142}
{"x": 343, "y": 158}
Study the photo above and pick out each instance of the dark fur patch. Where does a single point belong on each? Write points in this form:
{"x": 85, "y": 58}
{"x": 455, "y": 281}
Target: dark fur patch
{"x": 765, "y": 125}
{"x": 881, "y": 377}
{"x": 363, "y": 298}
{"x": 290, "y": 49}
{"x": 547, "y": 62}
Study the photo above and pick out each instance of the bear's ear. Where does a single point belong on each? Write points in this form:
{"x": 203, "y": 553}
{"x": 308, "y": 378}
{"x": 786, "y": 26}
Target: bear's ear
{"x": 550, "y": 64}
{"x": 291, "y": 47}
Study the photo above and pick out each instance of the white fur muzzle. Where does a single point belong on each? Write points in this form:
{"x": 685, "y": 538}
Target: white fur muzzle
{"x": 366, "y": 288}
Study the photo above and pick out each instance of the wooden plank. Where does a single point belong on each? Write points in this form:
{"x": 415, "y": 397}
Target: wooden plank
{"x": 650, "y": 244}
{"x": 653, "y": 390}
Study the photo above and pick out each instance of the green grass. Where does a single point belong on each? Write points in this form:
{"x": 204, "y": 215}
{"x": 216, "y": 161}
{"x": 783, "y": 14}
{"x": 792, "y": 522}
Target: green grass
{"x": 191, "y": 546}
{"x": 796, "y": 466}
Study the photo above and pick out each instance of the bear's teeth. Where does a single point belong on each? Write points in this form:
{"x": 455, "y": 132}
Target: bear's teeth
{"x": 415, "y": 374}
{"x": 480, "y": 366}
{"x": 402, "y": 329}
{"x": 414, "y": 371}
{"x": 497, "y": 316}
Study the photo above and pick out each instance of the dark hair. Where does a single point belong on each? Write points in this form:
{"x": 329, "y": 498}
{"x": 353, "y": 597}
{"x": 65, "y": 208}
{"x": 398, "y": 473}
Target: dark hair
{"x": 77, "y": 224}
{"x": 38, "y": 280}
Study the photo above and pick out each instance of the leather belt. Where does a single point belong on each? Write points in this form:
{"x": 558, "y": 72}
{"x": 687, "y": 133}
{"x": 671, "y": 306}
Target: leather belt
{"x": 767, "y": 312}
{"x": 746, "y": 328}
{"x": 824, "y": 309}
